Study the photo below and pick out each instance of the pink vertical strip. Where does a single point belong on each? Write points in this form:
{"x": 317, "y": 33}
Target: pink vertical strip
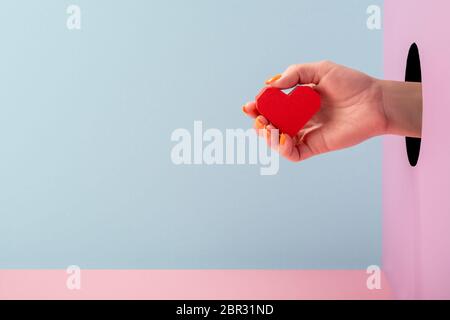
{"x": 416, "y": 202}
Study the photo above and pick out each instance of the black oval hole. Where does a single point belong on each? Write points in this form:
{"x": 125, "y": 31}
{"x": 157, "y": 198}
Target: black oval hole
{"x": 413, "y": 74}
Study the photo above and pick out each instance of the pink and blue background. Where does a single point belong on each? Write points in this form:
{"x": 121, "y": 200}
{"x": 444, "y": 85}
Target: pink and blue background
{"x": 86, "y": 177}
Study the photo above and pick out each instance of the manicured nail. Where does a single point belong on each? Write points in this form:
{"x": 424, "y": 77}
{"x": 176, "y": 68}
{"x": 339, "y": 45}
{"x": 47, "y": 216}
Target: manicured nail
{"x": 282, "y": 139}
{"x": 273, "y": 79}
{"x": 243, "y": 109}
{"x": 259, "y": 124}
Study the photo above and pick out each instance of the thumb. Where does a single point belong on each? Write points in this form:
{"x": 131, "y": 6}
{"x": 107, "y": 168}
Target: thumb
{"x": 303, "y": 74}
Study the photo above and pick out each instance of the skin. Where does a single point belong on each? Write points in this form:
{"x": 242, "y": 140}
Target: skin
{"x": 355, "y": 107}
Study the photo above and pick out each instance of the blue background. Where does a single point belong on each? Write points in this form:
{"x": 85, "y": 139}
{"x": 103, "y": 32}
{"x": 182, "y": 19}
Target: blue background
{"x": 85, "y": 122}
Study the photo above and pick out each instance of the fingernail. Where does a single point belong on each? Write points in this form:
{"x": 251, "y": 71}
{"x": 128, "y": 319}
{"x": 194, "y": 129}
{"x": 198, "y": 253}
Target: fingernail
{"x": 243, "y": 109}
{"x": 282, "y": 139}
{"x": 259, "y": 124}
{"x": 273, "y": 79}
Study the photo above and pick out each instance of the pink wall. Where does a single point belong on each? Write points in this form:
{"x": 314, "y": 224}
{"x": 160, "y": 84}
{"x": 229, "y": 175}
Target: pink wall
{"x": 416, "y": 239}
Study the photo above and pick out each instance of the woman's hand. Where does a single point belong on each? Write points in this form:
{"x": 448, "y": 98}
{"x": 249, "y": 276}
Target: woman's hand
{"x": 355, "y": 107}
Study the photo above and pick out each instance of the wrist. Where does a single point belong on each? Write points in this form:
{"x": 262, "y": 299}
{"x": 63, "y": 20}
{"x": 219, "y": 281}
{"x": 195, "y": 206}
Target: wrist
{"x": 402, "y": 105}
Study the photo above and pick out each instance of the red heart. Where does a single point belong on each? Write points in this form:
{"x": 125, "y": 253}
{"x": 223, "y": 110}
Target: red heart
{"x": 288, "y": 112}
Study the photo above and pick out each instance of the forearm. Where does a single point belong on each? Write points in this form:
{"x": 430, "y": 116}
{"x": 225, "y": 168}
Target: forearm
{"x": 402, "y": 103}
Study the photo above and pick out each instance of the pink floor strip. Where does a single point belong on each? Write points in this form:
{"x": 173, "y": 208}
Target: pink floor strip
{"x": 191, "y": 284}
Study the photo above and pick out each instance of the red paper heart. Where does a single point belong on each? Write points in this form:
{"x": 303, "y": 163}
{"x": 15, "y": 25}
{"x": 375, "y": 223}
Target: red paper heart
{"x": 288, "y": 112}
